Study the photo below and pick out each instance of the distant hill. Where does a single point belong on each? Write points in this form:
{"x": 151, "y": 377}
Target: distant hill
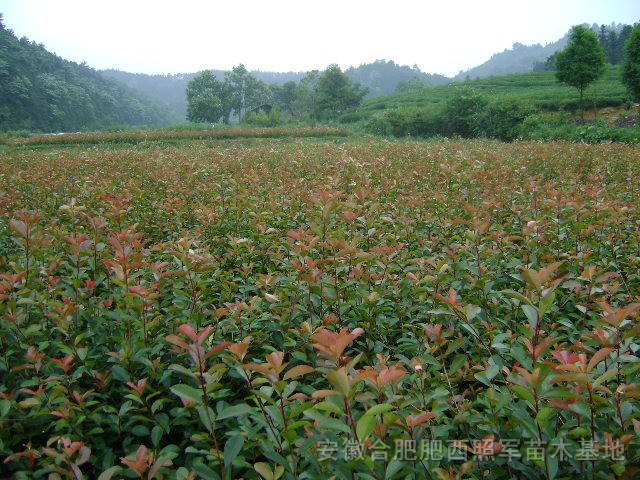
{"x": 383, "y": 77}
{"x": 380, "y": 78}
{"x": 527, "y": 58}
{"x": 539, "y": 90}
{"x": 40, "y": 91}
{"x": 170, "y": 89}
{"x": 519, "y": 59}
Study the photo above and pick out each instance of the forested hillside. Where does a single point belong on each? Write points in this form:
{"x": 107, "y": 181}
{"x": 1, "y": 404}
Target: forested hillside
{"x": 381, "y": 77}
{"x": 43, "y": 92}
{"x": 170, "y": 89}
{"x": 518, "y": 59}
{"x": 526, "y": 58}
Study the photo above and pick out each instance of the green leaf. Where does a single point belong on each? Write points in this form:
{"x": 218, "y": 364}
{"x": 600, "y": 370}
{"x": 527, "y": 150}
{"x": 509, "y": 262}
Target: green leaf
{"x": 380, "y": 408}
{"x": 581, "y": 408}
{"x": 5, "y": 406}
{"x": 29, "y": 402}
{"x": 579, "y": 432}
{"x": 608, "y": 375}
{"x": 546, "y": 302}
{"x": 458, "y": 361}
{"x": 264, "y": 470}
{"x": 544, "y": 415}
{"x": 492, "y": 371}
{"x": 205, "y": 472}
{"x": 328, "y": 423}
{"x": 532, "y": 278}
{"x": 156, "y": 435}
{"x": 472, "y": 311}
{"x": 394, "y": 467}
{"x": 482, "y": 377}
{"x": 471, "y": 329}
{"x": 329, "y": 407}
{"x": 236, "y": 411}
{"x": 298, "y": 371}
{"x": 517, "y": 296}
{"x": 452, "y": 346}
{"x": 278, "y": 472}
{"x": 232, "y": 448}
{"x": 365, "y": 426}
{"x": 187, "y": 392}
{"x": 109, "y": 472}
{"x": 340, "y": 380}
{"x": 532, "y": 314}
{"x": 120, "y": 374}
{"x": 552, "y": 464}
{"x": 523, "y": 392}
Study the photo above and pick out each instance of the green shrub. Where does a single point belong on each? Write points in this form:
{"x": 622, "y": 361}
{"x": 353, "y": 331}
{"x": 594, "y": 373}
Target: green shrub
{"x": 260, "y": 118}
{"x": 502, "y": 118}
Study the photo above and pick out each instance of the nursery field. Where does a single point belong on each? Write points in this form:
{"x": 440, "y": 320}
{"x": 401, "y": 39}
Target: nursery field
{"x": 320, "y": 308}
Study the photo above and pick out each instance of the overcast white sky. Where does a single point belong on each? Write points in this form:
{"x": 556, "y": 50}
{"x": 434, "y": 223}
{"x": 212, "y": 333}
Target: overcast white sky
{"x": 168, "y": 36}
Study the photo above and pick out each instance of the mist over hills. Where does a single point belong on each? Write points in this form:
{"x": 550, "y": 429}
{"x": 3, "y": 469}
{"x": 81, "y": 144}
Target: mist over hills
{"x": 381, "y": 77}
{"x": 384, "y": 77}
{"x": 518, "y": 59}
{"x": 41, "y": 91}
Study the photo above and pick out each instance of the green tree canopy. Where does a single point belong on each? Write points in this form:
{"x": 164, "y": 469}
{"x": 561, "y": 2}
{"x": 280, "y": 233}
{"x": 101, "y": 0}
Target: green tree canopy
{"x": 582, "y": 62}
{"x": 40, "y": 91}
{"x": 461, "y": 111}
{"x": 208, "y": 99}
{"x": 284, "y": 95}
{"x": 631, "y": 64}
{"x": 246, "y": 91}
{"x": 334, "y": 93}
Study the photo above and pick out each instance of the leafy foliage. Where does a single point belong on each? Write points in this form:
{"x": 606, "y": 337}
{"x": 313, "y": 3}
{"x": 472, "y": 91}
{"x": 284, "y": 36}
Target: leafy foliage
{"x": 582, "y": 62}
{"x": 317, "y": 97}
{"x": 631, "y": 65}
{"x": 317, "y": 309}
{"x": 39, "y": 91}
{"x": 208, "y": 99}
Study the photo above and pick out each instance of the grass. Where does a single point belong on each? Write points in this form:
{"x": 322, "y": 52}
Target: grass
{"x": 167, "y": 136}
{"x": 538, "y": 88}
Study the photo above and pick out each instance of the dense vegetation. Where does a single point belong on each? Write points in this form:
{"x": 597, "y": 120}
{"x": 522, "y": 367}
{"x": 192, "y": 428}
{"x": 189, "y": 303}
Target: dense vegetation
{"x": 311, "y": 309}
{"x": 528, "y": 104}
{"x": 40, "y": 91}
{"x": 319, "y": 96}
{"x": 381, "y": 77}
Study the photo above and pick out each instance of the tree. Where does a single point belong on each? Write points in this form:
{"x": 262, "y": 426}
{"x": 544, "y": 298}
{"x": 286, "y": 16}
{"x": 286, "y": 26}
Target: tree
{"x": 631, "y": 64}
{"x": 335, "y": 93}
{"x": 208, "y": 99}
{"x": 460, "y": 113}
{"x": 284, "y": 95}
{"x": 412, "y": 84}
{"x": 305, "y": 95}
{"x": 246, "y": 91}
{"x": 582, "y": 62}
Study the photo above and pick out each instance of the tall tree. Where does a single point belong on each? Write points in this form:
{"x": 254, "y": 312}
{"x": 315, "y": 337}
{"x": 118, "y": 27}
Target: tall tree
{"x": 335, "y": 93}
{"x": 246, "y": 91}
{"x": 305, "y": 95}
{"x": 631, "y": 64}
{"x": 284, "y": 95}
{"x": 582, "y": 62}
{"x": 208, "y": 99}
